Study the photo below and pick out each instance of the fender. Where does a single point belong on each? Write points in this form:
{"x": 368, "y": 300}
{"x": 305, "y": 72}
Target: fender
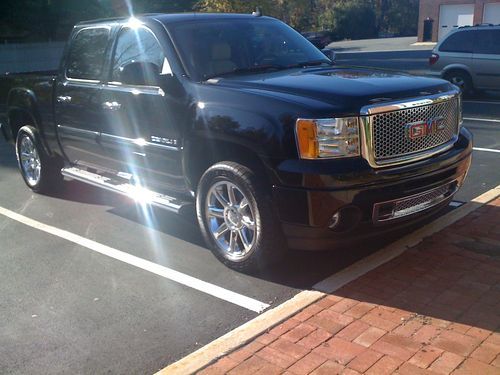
{"x": 23, "y": 102}
{"x": 229, "y": 133}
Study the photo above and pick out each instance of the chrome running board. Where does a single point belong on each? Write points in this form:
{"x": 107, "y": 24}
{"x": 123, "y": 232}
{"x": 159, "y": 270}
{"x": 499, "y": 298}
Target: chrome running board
{"x": 120, "y": 186}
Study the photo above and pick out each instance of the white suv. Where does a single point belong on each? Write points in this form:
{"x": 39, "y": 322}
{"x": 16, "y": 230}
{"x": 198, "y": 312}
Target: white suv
{"x": 469, "y": 57}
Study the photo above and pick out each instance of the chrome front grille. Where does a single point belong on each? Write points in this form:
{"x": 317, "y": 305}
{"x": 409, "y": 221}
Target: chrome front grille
{"x": 387, "y": 127}
{"x": 390, "y": 138}
{"x": 413, "y": 204}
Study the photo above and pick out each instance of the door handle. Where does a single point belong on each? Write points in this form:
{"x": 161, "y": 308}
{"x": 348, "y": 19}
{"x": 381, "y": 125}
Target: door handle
{"x": 64, "y": 99}
{"x": 111, "y": 106}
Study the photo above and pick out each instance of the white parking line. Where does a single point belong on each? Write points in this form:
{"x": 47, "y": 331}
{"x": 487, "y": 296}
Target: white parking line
{"x": 481, "y": 119}
{"x": 480, "y": 102}
{"x": 168, "y": 273}
{"x": 486, "y": 149}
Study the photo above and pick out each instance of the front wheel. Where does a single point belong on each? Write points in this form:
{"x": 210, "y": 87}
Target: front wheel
{"x": 35, "y": 166}
{"x": 236, "y": 217}
{"x": 461, "y": 79}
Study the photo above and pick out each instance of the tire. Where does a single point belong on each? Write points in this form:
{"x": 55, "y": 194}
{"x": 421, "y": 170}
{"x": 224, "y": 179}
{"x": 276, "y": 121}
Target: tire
{"x": 243, "y": 232}
{"x": 39, "y": 171}
{"x": 460, "y": 79}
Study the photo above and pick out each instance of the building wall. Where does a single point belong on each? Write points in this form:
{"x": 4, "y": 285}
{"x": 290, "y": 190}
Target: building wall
{"x": 29, "y": 57}
{"x": 430, "y": 9}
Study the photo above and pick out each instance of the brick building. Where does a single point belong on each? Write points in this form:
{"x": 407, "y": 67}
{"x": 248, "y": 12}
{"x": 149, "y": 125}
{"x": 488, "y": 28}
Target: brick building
{"x": 438, "y": 17}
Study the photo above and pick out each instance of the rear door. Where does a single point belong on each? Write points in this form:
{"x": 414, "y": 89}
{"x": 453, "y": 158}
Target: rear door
{"x": 141, "y": 134}
{"x": 77, "y": 107}
{"x": 487, "y": 59}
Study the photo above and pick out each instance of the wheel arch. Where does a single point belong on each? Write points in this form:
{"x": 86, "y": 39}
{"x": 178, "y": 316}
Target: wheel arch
{"x": 22, "y": 109}
{"x": 202, "y": 155}
{"x": 456, "y": 67}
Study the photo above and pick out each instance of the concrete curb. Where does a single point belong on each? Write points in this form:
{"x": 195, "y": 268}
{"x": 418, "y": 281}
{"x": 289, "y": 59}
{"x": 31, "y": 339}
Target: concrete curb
{"x": 240, "y": 336}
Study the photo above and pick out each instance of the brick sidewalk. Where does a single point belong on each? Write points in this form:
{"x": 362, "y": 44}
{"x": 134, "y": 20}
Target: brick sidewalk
{"x": 433, "y": 310}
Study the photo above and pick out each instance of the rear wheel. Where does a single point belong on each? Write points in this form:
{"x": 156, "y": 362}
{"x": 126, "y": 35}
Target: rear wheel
{"x": 236, "y": 217}
{"x": 461, "y": 79}
{"x": 39, "y": 172}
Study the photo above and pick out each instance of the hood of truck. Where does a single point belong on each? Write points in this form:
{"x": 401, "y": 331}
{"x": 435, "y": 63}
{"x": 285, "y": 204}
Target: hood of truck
{"x": 346, "y": 88}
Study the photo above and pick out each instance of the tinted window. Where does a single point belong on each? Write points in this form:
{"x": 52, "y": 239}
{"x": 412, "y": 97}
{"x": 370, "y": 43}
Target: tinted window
{"x": 86, "y": 54}
{"x": 221, "y": 46}
{"x": 461, "y": 41}
{"x": 487, "y": 42}
{"x": 136, "y": 45}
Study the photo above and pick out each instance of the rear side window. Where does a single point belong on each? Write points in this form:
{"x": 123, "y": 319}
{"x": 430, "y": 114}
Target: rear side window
{"x": 136, "y": 45}
{"x": 86, "y": 54}
{"x": 462, "y": 41}
{"x": 487, "y": 42}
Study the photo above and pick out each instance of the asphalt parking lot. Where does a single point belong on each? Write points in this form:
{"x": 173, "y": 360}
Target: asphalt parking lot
{"x": 67, "y": 307}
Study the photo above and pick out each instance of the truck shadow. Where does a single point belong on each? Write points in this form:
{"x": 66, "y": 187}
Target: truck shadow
{"x": 450, "y": 277}
{"x": 7, "y": 155}
{"x": 299, "y": 269}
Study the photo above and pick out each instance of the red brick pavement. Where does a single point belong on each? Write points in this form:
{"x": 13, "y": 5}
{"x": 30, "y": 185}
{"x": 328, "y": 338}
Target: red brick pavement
{"x": 433, "y": 310}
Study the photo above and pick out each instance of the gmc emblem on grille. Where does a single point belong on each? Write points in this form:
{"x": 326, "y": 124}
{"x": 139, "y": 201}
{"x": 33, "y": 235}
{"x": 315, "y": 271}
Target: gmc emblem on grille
{"x": 421, "y": 129}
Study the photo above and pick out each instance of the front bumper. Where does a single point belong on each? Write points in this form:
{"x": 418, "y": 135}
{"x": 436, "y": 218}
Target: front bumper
{"x": 306, "y": 211}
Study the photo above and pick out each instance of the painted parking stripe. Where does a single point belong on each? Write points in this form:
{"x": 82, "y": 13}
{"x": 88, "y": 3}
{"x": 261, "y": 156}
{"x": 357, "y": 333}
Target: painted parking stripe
{"x": 480, "y": 102}
{"x": 168, "y": 273}
{"x": 486, "y": 149}
{"x": 481, "y": 119}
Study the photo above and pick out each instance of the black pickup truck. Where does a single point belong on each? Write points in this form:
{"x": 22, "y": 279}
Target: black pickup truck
{"x": 243, "y": 118}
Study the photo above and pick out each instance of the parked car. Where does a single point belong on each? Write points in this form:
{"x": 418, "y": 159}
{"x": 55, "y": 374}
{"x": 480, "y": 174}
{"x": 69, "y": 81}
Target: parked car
{"x": 320, "y": 39}
{"x": 469, "y": 57}
{"x": 242, "y": 118}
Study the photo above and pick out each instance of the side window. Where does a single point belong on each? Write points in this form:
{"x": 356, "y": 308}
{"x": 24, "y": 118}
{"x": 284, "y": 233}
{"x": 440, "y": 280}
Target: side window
{"x": 135, "y": 45}
{"x": 86, "y": 54}
{"x": 461, "y": 41}
{"x": 487, "y": 42}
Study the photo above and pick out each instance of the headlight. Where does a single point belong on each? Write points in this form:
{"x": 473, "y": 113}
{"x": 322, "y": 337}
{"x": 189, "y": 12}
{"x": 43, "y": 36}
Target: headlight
{"x": 328, "y": 138}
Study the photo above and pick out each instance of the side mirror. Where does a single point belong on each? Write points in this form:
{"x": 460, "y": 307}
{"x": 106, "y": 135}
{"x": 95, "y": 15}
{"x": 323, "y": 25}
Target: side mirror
{"x": 330, "y": 53}
{"x": 140, "y": 73}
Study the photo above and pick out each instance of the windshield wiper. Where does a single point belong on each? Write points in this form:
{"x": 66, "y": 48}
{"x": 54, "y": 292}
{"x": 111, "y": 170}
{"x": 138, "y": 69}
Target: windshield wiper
{"x": 250, "y": 69}
{"x": 306, "y": 64}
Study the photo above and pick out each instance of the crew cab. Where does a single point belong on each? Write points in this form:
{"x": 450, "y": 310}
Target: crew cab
{"x": 241, "y": 117}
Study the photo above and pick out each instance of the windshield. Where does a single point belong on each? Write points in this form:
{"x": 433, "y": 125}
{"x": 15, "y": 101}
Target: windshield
{"x": 218, "y": 47}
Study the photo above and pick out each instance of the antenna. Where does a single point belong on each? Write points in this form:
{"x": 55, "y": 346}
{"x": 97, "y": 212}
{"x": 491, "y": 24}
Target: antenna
{"x": 257, "y": 13}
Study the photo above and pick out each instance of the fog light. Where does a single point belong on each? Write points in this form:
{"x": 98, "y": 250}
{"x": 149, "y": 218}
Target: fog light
{"x": 334, "y": 221}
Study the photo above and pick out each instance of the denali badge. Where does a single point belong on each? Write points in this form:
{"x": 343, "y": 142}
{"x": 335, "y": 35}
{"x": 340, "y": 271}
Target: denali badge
{"x": 424, "y": 128}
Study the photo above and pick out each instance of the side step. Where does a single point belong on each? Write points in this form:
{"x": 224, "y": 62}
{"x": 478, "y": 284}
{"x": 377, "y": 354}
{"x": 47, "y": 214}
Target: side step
{"x": 120, "y": 186}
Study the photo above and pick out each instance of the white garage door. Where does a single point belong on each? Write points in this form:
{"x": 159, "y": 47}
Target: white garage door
{"x": 453, "y": 16}
{"x": 492, "y": 13}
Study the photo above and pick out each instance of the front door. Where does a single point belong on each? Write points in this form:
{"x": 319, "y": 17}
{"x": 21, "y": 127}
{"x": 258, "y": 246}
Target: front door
{"x": 141, "y": 134}
{"x": 77, "y": 107}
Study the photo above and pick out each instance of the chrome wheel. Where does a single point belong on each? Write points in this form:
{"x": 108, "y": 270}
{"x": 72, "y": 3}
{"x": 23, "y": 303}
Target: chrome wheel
{"x": 30, "y": 160}
{"x": 458, "y": 81}
{"x": 231, "y": 220}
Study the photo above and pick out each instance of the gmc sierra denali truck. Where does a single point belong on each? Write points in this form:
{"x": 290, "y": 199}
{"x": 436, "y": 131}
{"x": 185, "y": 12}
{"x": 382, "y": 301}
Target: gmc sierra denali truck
{"x": 243, "y": 118}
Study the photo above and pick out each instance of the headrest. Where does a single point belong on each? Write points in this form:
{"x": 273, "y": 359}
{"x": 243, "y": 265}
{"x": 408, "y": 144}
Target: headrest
{"x": 221, "y": 51}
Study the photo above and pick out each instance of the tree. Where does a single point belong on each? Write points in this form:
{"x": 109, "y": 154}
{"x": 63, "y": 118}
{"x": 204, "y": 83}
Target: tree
{"x": 401, "y": 17}
{"x": 349, "y": 19}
